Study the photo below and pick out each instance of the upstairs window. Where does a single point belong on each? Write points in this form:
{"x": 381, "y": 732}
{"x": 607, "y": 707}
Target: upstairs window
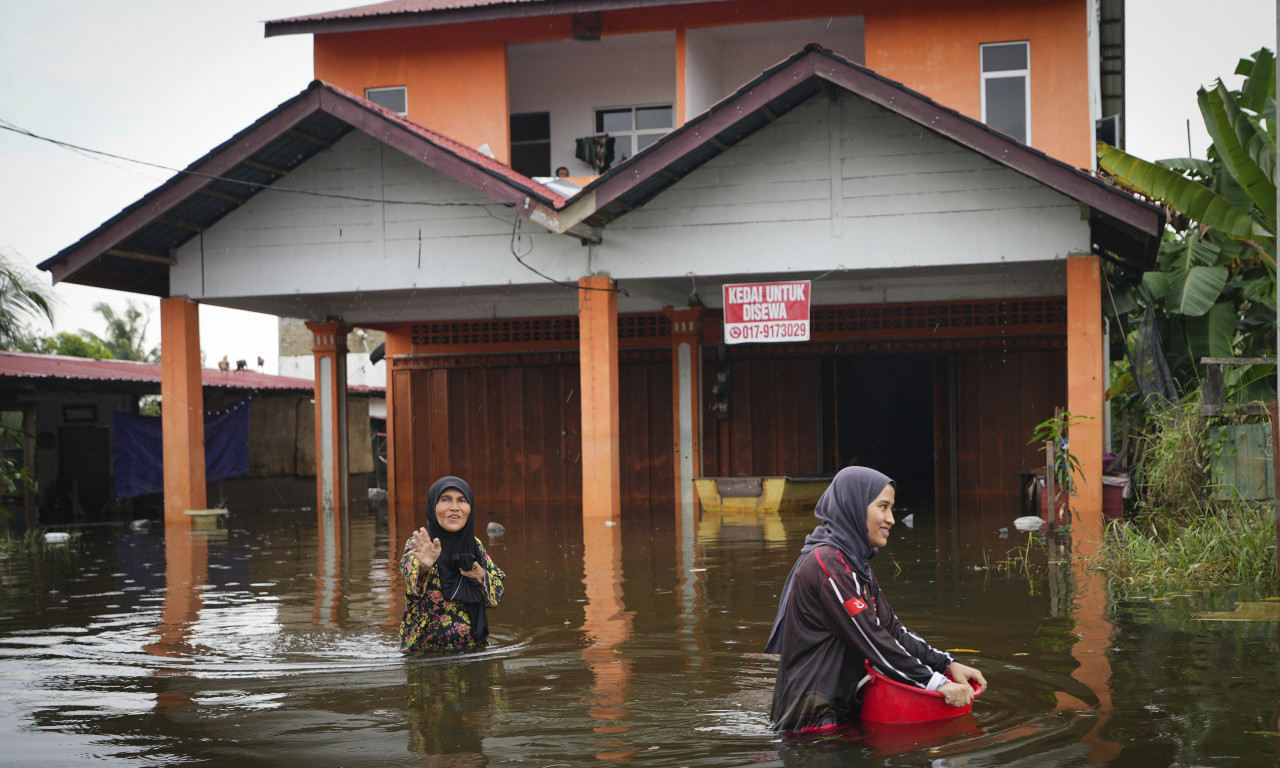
{"x": 395, "y": 99}
{"x": 531, "y": 143}
{"x": 1006, "y": 88}
{"x": 634, "y": 128}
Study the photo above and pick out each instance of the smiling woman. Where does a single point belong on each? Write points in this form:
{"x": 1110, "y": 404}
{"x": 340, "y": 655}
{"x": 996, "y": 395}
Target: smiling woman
{"x": 832, "y": 617}
{"x": 449, "y": 578}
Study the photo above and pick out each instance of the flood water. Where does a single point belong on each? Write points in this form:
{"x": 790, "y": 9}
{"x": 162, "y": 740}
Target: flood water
{"x": 636, "y": 643}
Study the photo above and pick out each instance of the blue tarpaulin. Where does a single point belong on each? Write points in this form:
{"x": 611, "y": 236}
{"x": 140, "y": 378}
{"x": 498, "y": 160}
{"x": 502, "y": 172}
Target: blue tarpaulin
{"x": 139, "y": 451}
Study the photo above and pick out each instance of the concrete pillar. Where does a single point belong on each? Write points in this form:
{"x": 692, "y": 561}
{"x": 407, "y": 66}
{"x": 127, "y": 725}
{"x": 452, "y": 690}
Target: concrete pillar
{"x": 686, "y": 411}
{"x": 1086, "y": 393}
{"x": 598, "y": 372}
{"x": 329, "y": 345}
{"x": 182, "y": 411}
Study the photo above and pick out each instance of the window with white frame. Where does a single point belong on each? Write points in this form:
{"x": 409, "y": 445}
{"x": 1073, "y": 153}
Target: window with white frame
{"x": 395, "y": 99}
{"x": 634, "y": 128}
{"x": 1006, "y": 88}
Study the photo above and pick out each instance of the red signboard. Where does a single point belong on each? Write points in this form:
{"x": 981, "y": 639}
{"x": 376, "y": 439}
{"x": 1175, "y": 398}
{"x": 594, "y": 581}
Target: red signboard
{"x": 766, "y": 312}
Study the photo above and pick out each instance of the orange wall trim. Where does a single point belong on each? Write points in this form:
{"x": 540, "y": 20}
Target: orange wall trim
{"x": 598, "y": 369}
{"x": 456, "y": 74}
{"x": 1086, "y": 382}
{"x": 182, "y": 412}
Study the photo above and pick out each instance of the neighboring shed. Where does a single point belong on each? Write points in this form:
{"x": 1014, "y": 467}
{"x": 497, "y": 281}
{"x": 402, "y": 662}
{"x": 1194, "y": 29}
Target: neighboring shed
{"x": 63, "y": 408}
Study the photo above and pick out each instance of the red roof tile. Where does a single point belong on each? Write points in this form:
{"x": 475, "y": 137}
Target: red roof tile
{"x": 24, "y": 365}
{"x": 394, "y": 7}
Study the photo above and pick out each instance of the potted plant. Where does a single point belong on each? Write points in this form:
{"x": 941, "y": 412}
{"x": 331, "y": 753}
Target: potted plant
{"x": 1061, "y": 467}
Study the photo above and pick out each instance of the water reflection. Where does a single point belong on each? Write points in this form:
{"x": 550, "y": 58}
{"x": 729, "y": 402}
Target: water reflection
{"x": 186, "y": 571}
{"x": 636, "y": 642}
{"x": 606, "y": 624}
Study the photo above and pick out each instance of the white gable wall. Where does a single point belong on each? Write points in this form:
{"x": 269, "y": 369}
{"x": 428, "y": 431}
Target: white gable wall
{"x": 885, "y": 209}
{"x": 883, "y": 195}
{"x": 283, "y": 242}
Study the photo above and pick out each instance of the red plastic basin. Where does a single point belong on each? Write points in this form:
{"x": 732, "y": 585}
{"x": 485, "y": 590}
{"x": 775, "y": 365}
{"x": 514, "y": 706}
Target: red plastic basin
{"x": 888, "y": 701}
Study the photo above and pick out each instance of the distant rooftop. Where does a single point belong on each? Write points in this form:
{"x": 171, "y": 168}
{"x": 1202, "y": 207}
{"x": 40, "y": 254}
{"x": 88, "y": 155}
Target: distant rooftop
{"x": 42, "y": 370}
{"x": 413, "y": 13}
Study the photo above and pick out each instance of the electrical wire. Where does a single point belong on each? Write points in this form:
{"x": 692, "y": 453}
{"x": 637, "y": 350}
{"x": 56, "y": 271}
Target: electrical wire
{"x": 8, "y": 126}
{"x": 516, "y": 235}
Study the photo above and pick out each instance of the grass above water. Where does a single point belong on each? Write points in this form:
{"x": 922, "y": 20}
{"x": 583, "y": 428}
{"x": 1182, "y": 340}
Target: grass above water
{"x": 1217, "y": 549}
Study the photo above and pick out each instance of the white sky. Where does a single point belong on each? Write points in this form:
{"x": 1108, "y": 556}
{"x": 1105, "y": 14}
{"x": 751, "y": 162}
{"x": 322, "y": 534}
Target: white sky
{"x": 168, "y": 80}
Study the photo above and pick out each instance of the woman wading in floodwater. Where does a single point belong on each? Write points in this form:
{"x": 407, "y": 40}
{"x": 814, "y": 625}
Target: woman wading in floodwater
{"x": 832, "y": 616}
{"x": 449, "y": 578}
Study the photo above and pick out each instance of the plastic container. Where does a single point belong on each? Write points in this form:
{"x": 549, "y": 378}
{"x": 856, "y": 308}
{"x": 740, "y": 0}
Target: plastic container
{"x": 888, "y": 701}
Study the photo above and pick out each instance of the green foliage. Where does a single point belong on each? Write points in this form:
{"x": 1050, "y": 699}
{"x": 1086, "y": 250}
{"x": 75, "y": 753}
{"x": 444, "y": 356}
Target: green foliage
{"x": 125, "y": 332}
{"x": 1231, "y": 546}
{"x": 1214, "y": 288}
{"x": 1172, "y": 472}
{"x": 22, "y": 301}
{"x": 75, "y": 345}
{"x": 1066, "y": 466}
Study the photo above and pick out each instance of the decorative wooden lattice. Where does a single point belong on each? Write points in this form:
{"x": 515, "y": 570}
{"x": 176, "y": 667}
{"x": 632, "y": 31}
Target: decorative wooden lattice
{"x": 953, "y": 319}
{"x": 955, "y": 322}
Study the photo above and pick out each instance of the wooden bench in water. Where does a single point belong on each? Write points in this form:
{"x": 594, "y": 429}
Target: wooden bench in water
{"x": 761, "y": 493}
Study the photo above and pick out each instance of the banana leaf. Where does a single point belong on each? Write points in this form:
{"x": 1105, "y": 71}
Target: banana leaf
{"x": 1196, "y": 291}
{"x": 1212, "y": 334}
{"x": 1192, "y": 199}
{"x": 1259, "y": 80}
{"x": 1234, "y": 135}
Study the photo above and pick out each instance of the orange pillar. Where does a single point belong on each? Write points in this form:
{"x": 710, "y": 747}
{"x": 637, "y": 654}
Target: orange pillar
{"x": 182, "y": 411}
{"x": 1086, "y": 385}
{"x": 329, "y": 345}
{"x": 686, "y": 382}
{"x": 598, "y": 372}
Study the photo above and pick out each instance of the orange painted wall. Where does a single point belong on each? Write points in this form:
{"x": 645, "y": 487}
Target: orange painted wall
{"x": 932, "y": 46}
{"x": 456, "y": 74}
{"x": 456, "y": 83}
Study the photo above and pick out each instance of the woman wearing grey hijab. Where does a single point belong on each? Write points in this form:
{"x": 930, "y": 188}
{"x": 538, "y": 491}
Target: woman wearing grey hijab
{"x": 832, "y": 616}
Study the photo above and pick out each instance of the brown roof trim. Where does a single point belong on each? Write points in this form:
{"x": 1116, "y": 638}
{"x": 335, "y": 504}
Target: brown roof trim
{"x": 85, "y": 261}
{"x": 1127, "y": 220}
{"x": 388, "y": 16}
{"x": 129, "y": 221}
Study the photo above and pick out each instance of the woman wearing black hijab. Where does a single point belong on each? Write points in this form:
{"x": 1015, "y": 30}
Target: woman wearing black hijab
{"x": 449, "y": 578}
{"x": 832, "y": 616}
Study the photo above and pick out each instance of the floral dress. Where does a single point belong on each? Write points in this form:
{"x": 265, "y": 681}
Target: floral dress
{"x": 432, "y": 623}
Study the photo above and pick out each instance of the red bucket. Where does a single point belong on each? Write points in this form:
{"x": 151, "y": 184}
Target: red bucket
{"x": 888, "y": 701}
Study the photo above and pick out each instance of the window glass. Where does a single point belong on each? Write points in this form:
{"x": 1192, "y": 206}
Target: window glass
{"x": 634, "y": 128}
{"x": 613, "y": 120}
{"x": 1006, "y": 88}
{"x": 531, "y": 143}
{"x": 648, "y": 118}
{"x": 1004, "y": 56}
{"x": 395, "y": 99}
{"x": 1006, "y": 101}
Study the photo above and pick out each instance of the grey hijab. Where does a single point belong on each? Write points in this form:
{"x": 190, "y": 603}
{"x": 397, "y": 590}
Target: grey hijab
{"x": 842, "y": 515}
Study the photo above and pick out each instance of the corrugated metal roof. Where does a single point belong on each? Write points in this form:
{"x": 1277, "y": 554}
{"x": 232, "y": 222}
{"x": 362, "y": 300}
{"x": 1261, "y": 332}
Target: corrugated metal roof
{"x": 35, "y": 368}
{"x": 394, "y": 7}
{"x": 406, "y": 13}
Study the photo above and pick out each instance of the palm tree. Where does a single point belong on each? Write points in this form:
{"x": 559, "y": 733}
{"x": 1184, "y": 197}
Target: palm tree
{"x": 22, "y": 300}
{"x": 125, "y": 333}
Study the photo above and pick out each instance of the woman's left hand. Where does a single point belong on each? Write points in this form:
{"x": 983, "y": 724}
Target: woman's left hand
{"x": 963, "y": 674}
{"x": 476, "y": 572}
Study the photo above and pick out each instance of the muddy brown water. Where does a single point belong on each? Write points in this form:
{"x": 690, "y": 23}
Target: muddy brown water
{"x": 635, "y": 643}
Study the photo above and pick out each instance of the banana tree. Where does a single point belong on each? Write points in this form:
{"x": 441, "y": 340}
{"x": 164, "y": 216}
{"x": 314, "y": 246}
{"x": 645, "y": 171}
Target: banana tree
{"x": 1215, "y": 282}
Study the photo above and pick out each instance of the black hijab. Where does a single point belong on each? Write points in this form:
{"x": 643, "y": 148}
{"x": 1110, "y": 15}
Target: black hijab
{"x": 842, "y": 511}
{"x": 454, "y": 585}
